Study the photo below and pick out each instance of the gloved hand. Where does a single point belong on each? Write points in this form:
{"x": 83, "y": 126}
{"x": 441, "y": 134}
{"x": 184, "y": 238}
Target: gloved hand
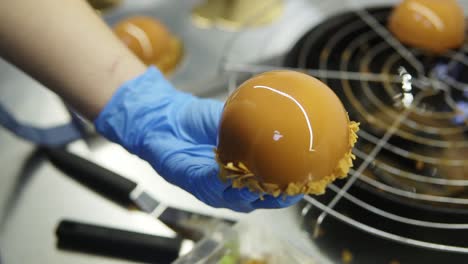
{"x": 176, "y": 133}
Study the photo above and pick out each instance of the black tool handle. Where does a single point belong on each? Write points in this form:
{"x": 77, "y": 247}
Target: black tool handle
{"x": 119, "y": 243}
{"x": 95, "y": 177}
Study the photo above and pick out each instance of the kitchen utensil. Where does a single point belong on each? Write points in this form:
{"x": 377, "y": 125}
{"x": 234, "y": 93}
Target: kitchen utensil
{"x": 128, "y": 193}
{"x": 97, "y": 239}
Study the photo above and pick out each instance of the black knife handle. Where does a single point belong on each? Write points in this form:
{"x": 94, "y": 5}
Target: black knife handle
{"x": 95, "y": 177}
{"x": 118, "y": 243}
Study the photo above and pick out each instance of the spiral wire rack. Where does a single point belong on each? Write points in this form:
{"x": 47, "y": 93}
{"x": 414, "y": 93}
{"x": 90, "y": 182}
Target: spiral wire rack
{"x": 360, "y": 61}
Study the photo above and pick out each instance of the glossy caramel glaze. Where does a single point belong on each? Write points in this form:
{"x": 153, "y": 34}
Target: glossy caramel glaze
{"x": 284, "y": 127}
{"x": 432, "y": 25}
{"x": 150, "y": 40}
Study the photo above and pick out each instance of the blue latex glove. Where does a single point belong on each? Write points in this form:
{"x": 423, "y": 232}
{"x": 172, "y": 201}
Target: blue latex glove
{"x": 176, "y": 133}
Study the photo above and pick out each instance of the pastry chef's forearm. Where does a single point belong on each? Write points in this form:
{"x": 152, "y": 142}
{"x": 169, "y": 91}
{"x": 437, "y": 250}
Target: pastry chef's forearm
{"x": 68, "y": 48}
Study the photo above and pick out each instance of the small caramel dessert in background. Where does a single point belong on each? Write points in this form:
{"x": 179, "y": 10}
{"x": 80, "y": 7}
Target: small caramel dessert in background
{"x": 285, "y": 132}
{"x": 431, "y": 25}
{"x": 151, "y": 41}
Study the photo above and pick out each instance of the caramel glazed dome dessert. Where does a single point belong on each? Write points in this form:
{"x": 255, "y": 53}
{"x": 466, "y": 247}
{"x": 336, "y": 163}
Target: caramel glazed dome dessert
{"x": 431, "y": 25}
{"x": 151, "y": 41}
{"x": 285, "y": 132}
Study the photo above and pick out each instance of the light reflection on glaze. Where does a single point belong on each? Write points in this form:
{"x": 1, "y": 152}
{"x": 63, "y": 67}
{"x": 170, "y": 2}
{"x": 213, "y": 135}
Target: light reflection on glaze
{"x": 311, "y": 134}
{"x": 430, "y": 15}
{"x": 141, "y": 37}
{"x": 432, "y": 25}
{"x": 277, "y": 135}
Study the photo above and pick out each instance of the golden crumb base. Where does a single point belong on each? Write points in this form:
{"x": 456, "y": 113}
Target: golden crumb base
{"x": 242, "y": 177}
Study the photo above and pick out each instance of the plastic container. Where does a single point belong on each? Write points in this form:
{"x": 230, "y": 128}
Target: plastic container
{"x": 244, "y": 243}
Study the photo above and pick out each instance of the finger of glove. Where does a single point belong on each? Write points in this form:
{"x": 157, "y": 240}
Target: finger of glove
{"x": 239, "y": 195}
{"x": 271, "y": 202}
{"x": 241, "y": 208}
{"x": 198, "y": 121}
{"x": 206, "y": 185}
{"x": 192, "y": 167}
{"x": 239, "y": 200}
{"x": 210, "y": 189}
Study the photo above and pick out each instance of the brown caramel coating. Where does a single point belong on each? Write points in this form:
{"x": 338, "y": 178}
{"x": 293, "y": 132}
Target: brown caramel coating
{"x": 264, "y": 126}
{"x": 432, "y": 25}
{"x": 150, "y": 41}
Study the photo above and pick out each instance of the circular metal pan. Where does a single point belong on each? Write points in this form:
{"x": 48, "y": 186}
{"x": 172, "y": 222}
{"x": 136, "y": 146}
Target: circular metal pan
{"x": 409, "y": 203}
{"x": 425, "y": 159}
